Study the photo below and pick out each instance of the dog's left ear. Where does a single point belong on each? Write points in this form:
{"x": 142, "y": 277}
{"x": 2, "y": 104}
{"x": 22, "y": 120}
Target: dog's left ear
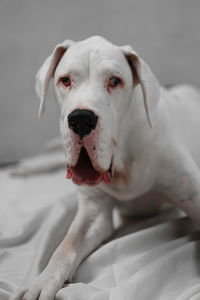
{"x": 143, "y": 75}
{"x": 47, "y": 70}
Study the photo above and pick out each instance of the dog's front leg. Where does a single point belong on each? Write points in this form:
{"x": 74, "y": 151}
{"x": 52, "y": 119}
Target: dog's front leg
{"x": 90, "y": 227}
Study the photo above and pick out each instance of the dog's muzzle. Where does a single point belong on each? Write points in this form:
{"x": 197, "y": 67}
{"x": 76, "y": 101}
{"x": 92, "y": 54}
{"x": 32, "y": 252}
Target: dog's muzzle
{"x": 82, "y": 121}
{"x": 85, "y": 173}
{"x": 84, "y": 127}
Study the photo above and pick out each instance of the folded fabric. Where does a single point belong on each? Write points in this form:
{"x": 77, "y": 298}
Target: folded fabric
{"x": 149, "y": 258}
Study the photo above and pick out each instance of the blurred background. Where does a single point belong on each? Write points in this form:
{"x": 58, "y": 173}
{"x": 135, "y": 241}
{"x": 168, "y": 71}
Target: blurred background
{"x": 165, "y": 32}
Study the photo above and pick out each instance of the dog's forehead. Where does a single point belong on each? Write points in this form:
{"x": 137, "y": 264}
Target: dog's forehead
{"x": 93, "y": 50}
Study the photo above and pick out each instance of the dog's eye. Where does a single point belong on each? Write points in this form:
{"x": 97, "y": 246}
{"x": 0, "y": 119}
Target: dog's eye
{"x": 114, "y": 81}
{"x": 66, "y": 81}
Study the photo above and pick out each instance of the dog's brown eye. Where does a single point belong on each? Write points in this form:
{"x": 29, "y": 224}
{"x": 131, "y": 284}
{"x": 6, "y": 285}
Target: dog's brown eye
{"x": 114, "y": 81}
{"x": 66, "y": 81}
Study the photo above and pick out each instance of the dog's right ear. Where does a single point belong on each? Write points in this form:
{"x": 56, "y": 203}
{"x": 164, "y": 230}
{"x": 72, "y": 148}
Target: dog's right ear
{"x": 47, "y": 70}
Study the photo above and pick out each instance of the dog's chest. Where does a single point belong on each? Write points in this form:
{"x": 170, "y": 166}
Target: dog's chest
{"x": 130, "y": 183}
{"x": 122, "y": 179}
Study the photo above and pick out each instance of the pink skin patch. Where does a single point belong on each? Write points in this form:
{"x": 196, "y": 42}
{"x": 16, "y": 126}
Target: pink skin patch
{"x": 107, "y": 177}
{"x": 77, "y": 144}
{"x": 69, "y": 173}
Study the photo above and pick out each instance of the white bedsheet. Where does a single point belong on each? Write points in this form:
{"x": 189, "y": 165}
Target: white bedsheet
{"x": 155, "y": 258}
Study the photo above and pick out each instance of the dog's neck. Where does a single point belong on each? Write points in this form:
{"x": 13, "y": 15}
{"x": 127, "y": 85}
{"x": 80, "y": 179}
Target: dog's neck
{"x": 134, "y": 132}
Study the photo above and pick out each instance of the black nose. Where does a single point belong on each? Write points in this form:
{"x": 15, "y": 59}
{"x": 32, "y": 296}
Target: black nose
{"x": 82, "y": 121}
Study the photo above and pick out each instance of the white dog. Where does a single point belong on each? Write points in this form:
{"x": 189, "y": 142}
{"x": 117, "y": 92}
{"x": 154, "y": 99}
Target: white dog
{"x": 128, "y": 143}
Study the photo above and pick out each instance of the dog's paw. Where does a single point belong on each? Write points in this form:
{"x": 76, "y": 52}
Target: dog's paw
{"x": 44, "y": 287}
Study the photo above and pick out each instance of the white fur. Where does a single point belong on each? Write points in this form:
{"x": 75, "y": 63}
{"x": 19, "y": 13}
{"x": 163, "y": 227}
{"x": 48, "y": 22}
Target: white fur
{"x": 151, "y": 134}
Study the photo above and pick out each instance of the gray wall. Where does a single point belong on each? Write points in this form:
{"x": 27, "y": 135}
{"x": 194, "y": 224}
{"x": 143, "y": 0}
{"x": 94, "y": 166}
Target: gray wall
{"x": 166, "y": 34}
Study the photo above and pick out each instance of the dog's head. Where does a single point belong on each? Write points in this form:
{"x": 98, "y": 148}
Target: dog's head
{"x": 93, "y": 82}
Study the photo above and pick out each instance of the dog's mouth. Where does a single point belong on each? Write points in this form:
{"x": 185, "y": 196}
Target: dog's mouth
{"x": 84, "y": 172}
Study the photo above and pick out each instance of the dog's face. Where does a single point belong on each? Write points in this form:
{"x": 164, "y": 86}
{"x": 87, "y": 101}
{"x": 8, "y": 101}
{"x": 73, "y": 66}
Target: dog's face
{"x": 93, "y": 84}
